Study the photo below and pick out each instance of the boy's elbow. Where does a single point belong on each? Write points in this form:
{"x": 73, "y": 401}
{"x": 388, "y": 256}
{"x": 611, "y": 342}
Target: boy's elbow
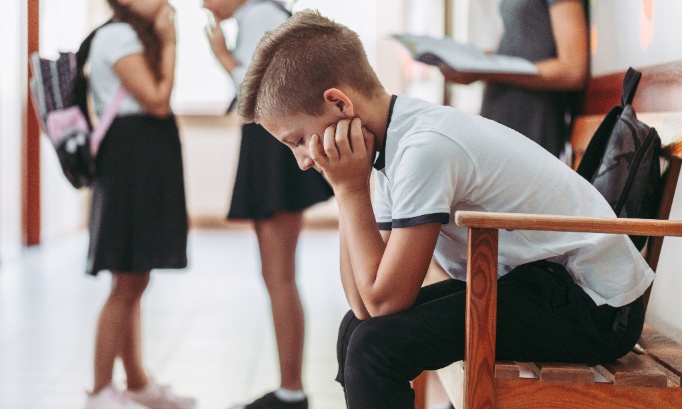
{"x": 378, "y": 308}
{"x": 361, "y": 314}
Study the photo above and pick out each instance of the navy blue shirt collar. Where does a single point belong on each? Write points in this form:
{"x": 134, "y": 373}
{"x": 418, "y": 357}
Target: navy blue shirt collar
{"x": 380, "y": 163}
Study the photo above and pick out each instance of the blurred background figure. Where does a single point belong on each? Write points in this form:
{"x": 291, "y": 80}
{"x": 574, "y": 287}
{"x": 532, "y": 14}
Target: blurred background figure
{"x": 138, "y": 220}
{"x": 553, "y": 34}
{"x": 271, "y": 190}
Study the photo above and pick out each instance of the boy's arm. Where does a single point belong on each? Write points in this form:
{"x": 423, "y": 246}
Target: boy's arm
{"x": 388, "y": 275}
{"x": 348, "y": 280}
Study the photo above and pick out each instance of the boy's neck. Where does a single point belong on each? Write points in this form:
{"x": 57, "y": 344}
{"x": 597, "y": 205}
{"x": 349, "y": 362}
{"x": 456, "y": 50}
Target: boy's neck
{"x": 374, "y": 115}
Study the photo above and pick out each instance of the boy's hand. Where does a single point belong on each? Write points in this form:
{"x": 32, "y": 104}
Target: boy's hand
{"x": 344, "y": 155}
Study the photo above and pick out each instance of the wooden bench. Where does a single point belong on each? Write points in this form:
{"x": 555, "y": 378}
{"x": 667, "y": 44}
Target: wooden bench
{"x": 648, "y": 378}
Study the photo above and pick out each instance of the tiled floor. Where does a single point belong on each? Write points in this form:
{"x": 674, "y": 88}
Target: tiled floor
{"x": 207, "y": 330}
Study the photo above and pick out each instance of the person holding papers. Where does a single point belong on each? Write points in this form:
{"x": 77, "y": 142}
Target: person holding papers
{"x": 553, "y": 35}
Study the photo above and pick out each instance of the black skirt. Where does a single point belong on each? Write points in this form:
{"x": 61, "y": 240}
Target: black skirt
{"x": 269, "y": 179}
{"x": 138, "y": 218}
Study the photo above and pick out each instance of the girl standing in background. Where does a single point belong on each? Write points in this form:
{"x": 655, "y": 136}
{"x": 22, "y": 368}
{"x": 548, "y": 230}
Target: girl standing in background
{"x": 138, "y": 219}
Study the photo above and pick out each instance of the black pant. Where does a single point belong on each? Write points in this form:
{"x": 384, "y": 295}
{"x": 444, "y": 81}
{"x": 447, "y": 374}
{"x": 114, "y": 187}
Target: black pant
{"x": 542, "y": 315}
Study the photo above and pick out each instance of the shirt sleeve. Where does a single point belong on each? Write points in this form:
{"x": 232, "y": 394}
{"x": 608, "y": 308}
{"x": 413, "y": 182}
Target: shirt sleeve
{"x": 121, "y": 40}
{"x": 431, "y": 176}
{"x": 382, "y": 201}
{"x": 261, "y": 19}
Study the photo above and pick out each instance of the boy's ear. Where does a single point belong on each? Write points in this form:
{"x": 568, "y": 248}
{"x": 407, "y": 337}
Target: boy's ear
{"x": 339, "y": 101}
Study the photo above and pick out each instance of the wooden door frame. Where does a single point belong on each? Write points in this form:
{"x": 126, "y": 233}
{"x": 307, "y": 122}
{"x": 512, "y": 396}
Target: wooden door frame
{"x": 31, "y": 142}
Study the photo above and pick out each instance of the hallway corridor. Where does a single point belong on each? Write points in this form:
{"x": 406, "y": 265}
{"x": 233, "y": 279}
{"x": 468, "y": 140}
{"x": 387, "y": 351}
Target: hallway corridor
{"x": 206, "y": 331}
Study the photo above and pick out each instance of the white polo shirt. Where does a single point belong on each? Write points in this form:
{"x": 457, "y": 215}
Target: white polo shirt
{"x": 254, "y": 18}
{"x": 111, "y": 43}
{"x": 437, "y": 160}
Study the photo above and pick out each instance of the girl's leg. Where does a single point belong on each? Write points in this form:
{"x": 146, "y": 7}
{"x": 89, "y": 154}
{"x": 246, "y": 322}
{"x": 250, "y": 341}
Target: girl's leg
{"x": 115, "y": 327}
{"x": 130, "y": 350}
{"x": 277, "y": 239}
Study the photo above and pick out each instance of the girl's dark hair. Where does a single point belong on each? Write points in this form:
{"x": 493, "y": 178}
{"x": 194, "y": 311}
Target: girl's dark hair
{"x": 145, "y": 32}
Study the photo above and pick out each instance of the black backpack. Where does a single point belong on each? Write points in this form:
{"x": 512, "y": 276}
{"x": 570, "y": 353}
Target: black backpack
{"x": 623, "y": 160}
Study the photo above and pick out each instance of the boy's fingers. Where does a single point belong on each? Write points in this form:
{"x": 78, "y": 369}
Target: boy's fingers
{"x": 329, "y": 143}
{"x": 356, "y": 135}
{"x": 369, "y": 142}
{"x": 317, "y": 153}
{"x": 342, "y": 138}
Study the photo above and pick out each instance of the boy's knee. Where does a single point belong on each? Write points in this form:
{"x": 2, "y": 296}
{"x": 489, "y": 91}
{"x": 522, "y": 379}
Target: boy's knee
{"x": 370, "y": 343}
{"x": 347, "y": 327}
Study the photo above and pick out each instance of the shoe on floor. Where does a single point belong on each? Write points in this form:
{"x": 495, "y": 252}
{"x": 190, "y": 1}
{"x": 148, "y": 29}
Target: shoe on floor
{"x": 271, "y": 401}
{"x": 111, "y": 398}
{"x": 155, "y": 396}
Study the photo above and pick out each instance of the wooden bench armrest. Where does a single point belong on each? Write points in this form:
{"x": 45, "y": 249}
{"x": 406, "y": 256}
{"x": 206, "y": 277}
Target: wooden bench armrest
{"x": 481, "y": 306}
{"x": 521, "y": 221}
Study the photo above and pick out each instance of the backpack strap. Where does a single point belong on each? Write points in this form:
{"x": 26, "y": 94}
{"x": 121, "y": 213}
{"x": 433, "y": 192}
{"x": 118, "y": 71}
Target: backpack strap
{"x": 589, "y": 164}
{"x": 105, "y": 121}
{"x": 81, "y": 85}
{"x": 630, "y": 83}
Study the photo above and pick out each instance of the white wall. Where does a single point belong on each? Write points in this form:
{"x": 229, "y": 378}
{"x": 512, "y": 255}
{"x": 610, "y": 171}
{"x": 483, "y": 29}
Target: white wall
{"x": 12, "y": 76}
{"x": 665, "y": 304}
{"x": 627, "y": 34}
{"x": 63, "y": 25}
{"x": 634, "y": 33}
{"x": 479, "y": 23}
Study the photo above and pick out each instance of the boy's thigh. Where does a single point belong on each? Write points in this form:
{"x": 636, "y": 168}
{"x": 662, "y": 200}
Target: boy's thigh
{"x": 428, "y": 336}
{"x": 543, "y": 316}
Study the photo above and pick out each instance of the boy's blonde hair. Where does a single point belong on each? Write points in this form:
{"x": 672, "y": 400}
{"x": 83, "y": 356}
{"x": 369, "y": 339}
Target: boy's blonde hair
{"x": 294, "y": 65}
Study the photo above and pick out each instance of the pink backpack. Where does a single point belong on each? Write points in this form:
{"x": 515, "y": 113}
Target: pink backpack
{"x": 58, "y": 89}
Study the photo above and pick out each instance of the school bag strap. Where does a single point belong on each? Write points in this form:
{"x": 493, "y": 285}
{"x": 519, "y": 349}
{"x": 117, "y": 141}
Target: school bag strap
{"x": 81, "y": 84}
{"x": 105, "y": 121}
{"x": 630, "y": 83}
{"x": 595, "y": 150}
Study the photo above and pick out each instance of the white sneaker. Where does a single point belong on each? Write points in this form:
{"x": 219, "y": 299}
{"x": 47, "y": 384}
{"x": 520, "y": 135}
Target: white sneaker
{"x": 155, "y": 396}
{"x": 111, "y": 398}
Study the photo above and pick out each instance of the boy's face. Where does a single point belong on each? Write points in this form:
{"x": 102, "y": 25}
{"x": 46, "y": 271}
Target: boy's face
{"x": 295, "y": 132}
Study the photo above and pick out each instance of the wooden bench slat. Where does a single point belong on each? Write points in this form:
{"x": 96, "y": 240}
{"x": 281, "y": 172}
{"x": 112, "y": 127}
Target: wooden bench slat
{"x": 651, "y": 338}
{"x": 662, "y": 362}
{"x": 633, "y": 370}
{"x": 664, "y": 351}
{"x": 563, "y": 372}
{"x": 507, "y": 370}
{"x": 536, "y": 394}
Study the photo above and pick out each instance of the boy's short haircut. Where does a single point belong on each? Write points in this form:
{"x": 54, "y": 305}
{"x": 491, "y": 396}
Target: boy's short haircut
{"x": 294, "y": 65}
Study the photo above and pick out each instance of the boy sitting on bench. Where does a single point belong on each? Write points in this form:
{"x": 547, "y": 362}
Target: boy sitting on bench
{"x": 570, "y": 297}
